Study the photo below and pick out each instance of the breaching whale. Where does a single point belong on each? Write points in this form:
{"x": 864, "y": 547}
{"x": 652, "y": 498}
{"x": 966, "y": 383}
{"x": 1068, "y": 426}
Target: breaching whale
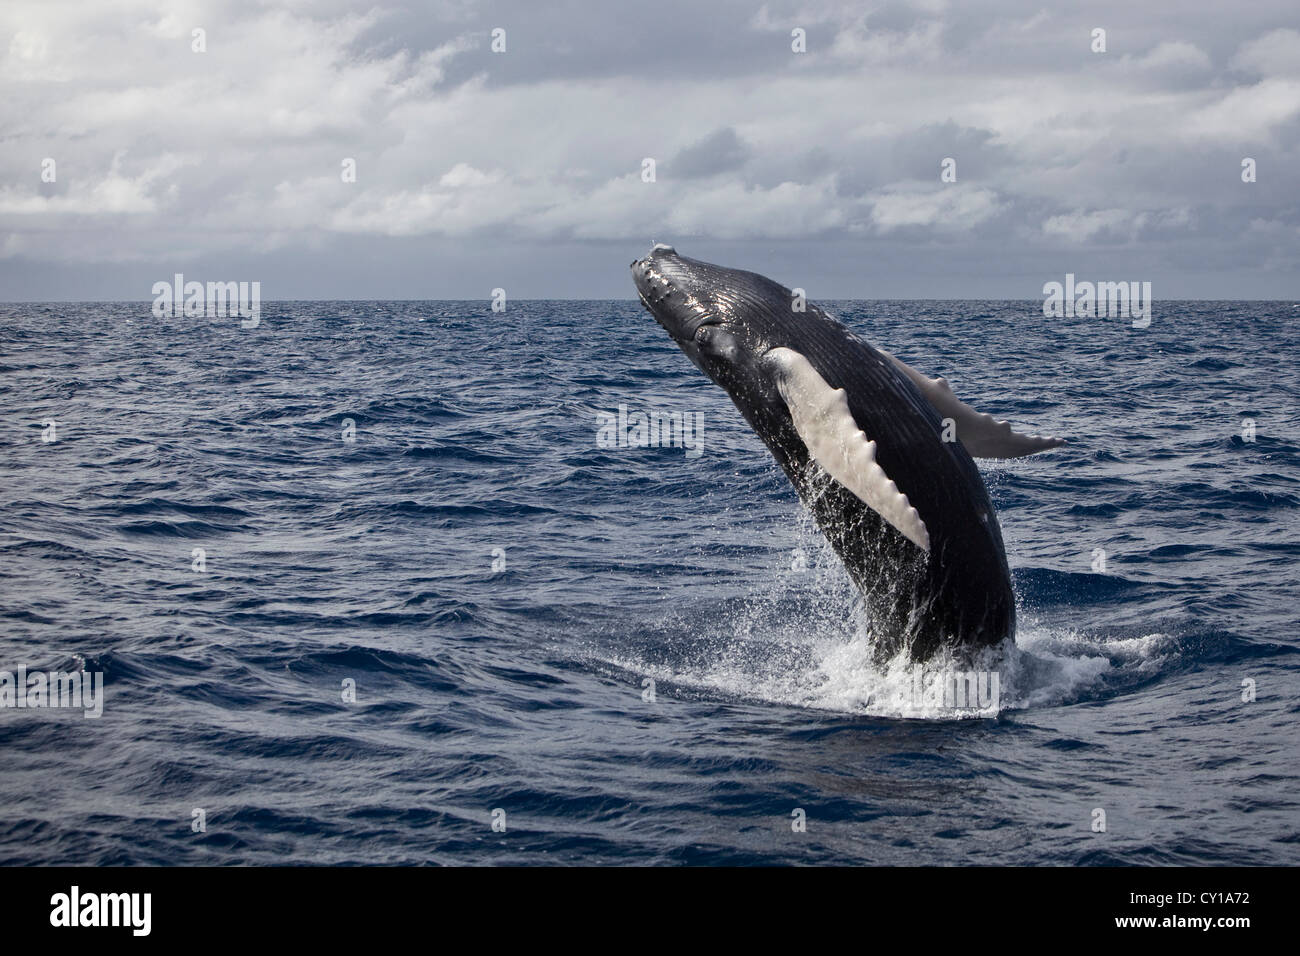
{"x": 880, "y": 454}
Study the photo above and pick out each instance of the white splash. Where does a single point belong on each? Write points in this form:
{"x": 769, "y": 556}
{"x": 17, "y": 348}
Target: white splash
{"x": 799, "y": 645}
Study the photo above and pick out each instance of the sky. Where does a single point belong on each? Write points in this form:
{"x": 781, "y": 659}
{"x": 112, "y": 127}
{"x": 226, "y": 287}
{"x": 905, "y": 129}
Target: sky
{"x": 525, "y": 168}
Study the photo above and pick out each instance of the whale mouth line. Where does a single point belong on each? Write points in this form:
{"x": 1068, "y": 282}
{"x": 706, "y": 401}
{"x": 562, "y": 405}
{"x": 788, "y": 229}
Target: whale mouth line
{"x": 646, "y": 304}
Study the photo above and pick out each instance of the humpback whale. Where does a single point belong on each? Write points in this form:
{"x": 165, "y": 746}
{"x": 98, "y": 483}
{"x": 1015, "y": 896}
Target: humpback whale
{"x": 879, "y": 453}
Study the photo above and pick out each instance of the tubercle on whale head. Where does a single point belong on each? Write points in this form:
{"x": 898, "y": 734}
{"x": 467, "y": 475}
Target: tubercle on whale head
{"x": 666, "y": 284}
{"x": 698, "y": 306}
{"x": 685, "y": 295}
{"x": 663, "y": 281}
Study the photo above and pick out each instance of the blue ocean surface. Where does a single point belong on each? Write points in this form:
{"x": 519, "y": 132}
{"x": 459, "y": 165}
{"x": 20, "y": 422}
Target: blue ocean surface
{"x": 626, "y": 655}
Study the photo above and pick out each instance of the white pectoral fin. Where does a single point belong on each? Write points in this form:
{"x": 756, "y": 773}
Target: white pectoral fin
{"x": 982, "y": 435}
{"x": 822, "y": 418}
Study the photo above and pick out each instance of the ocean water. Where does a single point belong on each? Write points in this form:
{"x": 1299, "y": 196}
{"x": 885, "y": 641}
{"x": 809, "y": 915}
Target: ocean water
{"x": 505, "y": 594}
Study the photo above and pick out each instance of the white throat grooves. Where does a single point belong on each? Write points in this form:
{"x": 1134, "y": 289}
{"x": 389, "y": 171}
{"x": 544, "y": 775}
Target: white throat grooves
{"x": 822, "y": 418}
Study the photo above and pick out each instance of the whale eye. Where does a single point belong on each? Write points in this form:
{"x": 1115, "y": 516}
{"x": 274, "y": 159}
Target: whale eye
{"x": 715, "y": 341}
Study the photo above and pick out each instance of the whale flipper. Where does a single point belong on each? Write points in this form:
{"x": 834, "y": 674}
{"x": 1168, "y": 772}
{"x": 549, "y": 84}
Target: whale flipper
{"x": 822, "y": 418}
{"x": 983, "y": 435}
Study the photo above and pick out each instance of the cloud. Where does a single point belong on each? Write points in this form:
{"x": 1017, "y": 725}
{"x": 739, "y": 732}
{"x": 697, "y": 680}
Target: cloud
{"x": 720, "y": 152}
{"x": 944, "y": 208}
{"x": 1276, "y": 53}
{"x": 464, "y": 175}
{"x": 112, "y": 194}
{"x": 162, "y": 151}
{"x": 1171, "y": 58}
{"x": 863, "y": 42}
{"x": 1250, "y": 112}
{"x": 1116, "y": 225}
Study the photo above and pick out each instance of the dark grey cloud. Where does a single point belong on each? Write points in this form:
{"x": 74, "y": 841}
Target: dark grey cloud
{"x": 720, "y": 152}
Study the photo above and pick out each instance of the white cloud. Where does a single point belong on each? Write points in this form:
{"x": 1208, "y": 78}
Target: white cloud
{"x": 1276, "y": 53}
{"x": 463, "y": 174}
{"x": 1248, "y": 112}
{"x": 864, "y": 44}
{"x": 1173, "y": 55}
{"x": 1082, "y": 226}
{"x": 946, "y": 208}
{"x": 109, "y": 195}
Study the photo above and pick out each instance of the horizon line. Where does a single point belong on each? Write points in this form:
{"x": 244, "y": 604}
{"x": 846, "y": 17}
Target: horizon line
{"x": 589, "y": 299}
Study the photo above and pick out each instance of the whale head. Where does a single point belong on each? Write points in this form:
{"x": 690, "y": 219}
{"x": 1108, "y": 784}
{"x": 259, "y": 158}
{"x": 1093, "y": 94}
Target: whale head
{"x": 725, "y": 320}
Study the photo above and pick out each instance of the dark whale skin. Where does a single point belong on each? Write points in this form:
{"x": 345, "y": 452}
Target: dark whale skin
{"x": 956, "y": 596}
